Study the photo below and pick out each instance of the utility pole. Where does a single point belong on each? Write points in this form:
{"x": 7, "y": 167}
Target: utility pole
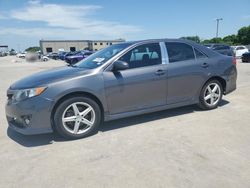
{"x": 217, "y": 28}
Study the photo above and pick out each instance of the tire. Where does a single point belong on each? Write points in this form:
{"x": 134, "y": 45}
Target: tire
{"x": 210, "y": 98}
{"x": 77, "y": 117}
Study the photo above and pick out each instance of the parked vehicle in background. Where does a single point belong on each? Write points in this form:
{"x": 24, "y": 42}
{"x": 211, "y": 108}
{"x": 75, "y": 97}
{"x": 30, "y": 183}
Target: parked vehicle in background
{"x": 122, "y": 80}
{"x": 246, "y": 57}
{"x": 61, "y": 55}
{"x": 2, "y": 54}
{"x": 239, "y": 50}
{"x": 221, "y": 48}
{"x": 53, "y": 55}
{"x": 73, "y": 59}
{"x": 12, "y": 52}
{"x": 45, "y": 58}
{"x": 21, "y": 55}
{"x": 64, "y": 55}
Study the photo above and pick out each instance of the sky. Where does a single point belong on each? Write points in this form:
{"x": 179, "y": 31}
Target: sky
{"x": 24, "y": 22}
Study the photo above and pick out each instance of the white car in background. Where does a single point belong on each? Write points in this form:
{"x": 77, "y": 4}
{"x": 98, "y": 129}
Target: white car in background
{"x": 239, "y": 50}
{"x": 45, "y": 58}
{"x": 21, "y": 55}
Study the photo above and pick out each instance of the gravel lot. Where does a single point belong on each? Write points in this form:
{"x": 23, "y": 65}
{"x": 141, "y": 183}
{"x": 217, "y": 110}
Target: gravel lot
{"x": 182, "y": 147}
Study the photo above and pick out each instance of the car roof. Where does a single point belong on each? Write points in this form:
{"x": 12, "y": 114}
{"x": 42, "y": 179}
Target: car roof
{"x": 201, "y": 47}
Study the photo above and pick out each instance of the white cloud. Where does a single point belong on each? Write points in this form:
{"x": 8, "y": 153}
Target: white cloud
{"x": 246, "y": 17}
{"x": 66, "y": 21}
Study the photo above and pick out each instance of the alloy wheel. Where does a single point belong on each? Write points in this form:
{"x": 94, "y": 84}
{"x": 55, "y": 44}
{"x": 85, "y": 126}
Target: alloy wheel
{"x": 212, "y": 94}
{"x": 78, "y": 118}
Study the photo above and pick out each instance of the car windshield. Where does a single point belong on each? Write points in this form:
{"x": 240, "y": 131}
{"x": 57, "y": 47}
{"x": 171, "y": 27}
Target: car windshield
{"x": 99, "y": 58}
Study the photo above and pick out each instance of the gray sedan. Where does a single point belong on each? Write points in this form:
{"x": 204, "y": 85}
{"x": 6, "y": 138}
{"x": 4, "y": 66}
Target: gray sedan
{"x": 123, "y": 80}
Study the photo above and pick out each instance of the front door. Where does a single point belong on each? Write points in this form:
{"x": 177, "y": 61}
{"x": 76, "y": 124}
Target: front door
{"x": 141, "y": 86}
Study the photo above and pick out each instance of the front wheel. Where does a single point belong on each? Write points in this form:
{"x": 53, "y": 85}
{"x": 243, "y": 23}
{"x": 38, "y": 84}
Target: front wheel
{"x": 211, "y": 95}
{"x": 77, "y": 117}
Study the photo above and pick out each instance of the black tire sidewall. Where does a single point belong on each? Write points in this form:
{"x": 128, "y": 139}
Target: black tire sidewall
{"x": 59, "y": 112}
{"x": 202, "y": 102}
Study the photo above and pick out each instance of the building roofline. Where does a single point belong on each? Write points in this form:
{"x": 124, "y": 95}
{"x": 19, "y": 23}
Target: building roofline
{"x": 114, "y": 40}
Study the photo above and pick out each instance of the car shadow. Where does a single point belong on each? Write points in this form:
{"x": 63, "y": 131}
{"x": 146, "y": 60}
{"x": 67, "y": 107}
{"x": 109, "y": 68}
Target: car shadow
{"x": 47, "y": 139}
{"x": 125, "y": 122}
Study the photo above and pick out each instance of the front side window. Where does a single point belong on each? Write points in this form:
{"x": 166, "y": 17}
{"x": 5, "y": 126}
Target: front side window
{"x": 143, "y": 55}
{"x": 179, "y": 52}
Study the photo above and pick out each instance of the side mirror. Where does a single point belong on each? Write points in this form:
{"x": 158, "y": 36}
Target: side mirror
{"x": 120, "y": 65}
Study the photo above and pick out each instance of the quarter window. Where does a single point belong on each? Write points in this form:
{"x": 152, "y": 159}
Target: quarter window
{"x": 198, "y": 54}
{"x": 179, "y": 52}
{"x": 144, "y": 55}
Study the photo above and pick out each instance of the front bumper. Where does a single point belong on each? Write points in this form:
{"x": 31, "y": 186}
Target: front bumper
{"x": 38, "y": 112}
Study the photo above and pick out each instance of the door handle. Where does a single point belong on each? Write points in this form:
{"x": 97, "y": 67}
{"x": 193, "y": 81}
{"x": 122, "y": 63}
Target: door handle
{"x": 205, "y": 65}
{"x": 160, "y": 72}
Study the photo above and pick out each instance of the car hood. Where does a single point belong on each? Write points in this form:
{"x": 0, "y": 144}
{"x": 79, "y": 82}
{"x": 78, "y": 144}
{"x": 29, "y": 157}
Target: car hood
{"x": 49, "y": 76}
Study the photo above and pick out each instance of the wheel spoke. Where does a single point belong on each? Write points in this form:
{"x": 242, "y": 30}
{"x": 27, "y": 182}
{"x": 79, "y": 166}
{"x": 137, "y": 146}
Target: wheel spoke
{"x": 212, "y": 101}
{"x": 87, "y": 122}
{"x": 85, "y": 112}
{"x": 208, "y": 97}
{"x": 215, "y": 88}
{"x": 209, "y": 89}
{"x": 76, "y": 127}
{"x": 75, "y": 108}
{"x": 68, "y": 119}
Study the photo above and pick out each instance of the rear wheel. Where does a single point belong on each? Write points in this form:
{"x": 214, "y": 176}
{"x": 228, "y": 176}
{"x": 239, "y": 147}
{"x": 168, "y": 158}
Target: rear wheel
{"x": 77, "y": 117}
{"x": 211, "y": 95}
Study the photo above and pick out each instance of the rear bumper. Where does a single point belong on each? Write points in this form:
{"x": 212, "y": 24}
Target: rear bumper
{"x": 36, "y": 110}
{"x": 231, "y": 80}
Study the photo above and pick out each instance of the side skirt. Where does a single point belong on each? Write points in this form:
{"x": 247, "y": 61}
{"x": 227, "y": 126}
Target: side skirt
{"x": 109, "y": 117}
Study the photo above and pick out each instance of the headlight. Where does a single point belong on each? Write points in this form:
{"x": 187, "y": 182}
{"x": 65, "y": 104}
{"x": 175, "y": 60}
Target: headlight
{"x": 27, "y": 93}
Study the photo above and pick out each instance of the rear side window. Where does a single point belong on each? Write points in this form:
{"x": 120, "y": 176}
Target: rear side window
{"x": 199, "y": 54}
{"x": 179, "y": 52}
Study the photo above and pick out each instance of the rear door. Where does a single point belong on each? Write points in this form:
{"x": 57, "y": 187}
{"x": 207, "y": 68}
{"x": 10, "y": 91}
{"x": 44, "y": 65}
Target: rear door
{"x": 187, "y": 70}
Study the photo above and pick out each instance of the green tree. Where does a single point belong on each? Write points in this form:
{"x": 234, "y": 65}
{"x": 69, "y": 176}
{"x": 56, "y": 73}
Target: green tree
{"x": 244, "y": 35}
{"x": 213, "y": 40}
{"x": 230, "y": 39}
{"x": 33, "y": 49}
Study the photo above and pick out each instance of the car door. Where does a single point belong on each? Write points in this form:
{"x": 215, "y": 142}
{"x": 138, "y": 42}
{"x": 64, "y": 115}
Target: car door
{"x": 141, "y": 86}
{"x": 187, "y": 72}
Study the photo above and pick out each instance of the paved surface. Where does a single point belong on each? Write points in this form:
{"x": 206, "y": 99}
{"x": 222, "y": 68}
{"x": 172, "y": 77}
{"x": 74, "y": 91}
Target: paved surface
{"x": 184, "y": 147}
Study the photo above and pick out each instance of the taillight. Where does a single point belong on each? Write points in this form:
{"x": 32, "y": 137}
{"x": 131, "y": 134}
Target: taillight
{"x": 234, "y": 61}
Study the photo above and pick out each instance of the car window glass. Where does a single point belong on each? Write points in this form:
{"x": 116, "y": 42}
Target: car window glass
{"x": 179, "y": 52}
{"x": 240, "y": 48}
{"x": 102, "y": 56}
{"x": 199, "y": 54}
{"x": 143, "y": 55}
